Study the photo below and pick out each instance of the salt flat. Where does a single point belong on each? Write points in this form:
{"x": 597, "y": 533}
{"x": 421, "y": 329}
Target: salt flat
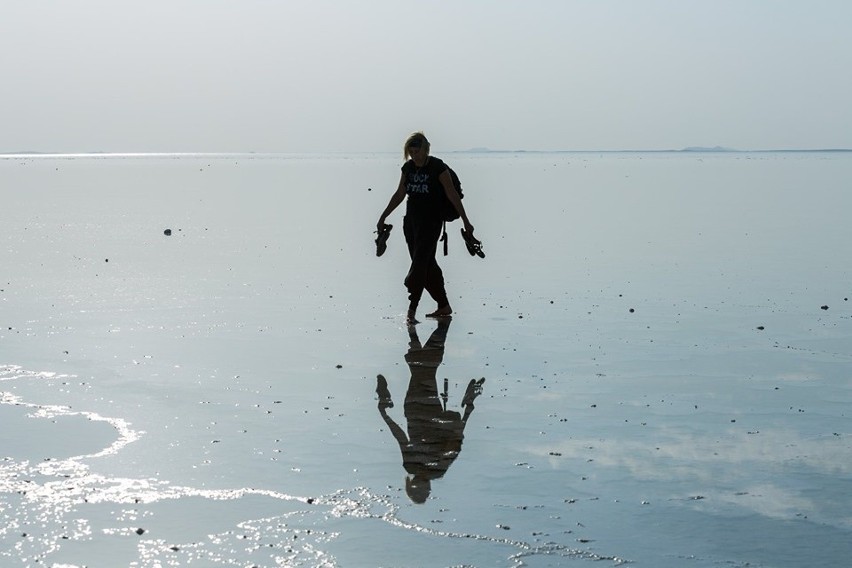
{"x": 665, "y": 342}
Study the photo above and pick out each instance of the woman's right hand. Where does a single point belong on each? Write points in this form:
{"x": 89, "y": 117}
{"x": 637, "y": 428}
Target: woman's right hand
{"x": 468, "y": 228}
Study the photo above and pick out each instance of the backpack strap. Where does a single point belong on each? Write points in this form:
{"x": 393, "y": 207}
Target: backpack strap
{"x": 444, "y": 238}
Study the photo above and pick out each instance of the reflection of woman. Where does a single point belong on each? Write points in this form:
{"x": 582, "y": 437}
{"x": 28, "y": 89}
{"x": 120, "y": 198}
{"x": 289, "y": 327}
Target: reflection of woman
{"x": 435, "y": 434}
{"x": 424, "y": 179}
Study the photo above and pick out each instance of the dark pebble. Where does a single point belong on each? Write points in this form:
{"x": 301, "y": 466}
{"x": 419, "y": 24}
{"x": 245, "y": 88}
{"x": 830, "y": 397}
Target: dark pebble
{"x": 167, "y": 232}
{"x": 760, "y": 327}
{"x": 823, "y": 307}
{"x": 632, "y": 310}
{"x": 140, "y": 531}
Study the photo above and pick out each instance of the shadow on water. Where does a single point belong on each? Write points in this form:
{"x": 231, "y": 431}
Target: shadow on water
{"x": 434, "y": 434}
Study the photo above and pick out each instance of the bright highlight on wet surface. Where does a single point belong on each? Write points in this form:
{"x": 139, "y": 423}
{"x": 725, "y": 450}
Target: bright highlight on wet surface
{"x": 204, "y": 363}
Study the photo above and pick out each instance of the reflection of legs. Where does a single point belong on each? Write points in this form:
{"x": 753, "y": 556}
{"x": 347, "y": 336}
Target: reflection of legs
{"x": 439, "y": 336}
{"x": 422, "y": 403}
{"x": 413, "y": 340}
{"x": 432, "y": 353}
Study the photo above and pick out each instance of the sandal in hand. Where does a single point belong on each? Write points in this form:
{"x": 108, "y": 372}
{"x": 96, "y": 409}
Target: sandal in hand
{"x": 474, "y": 245}
{"x": 382, "y": 239}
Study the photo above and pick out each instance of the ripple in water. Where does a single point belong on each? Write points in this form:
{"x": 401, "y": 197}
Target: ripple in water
{"x": 59, "y": 512}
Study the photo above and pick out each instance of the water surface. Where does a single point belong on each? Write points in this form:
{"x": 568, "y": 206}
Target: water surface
{"x": 664, "y": 338}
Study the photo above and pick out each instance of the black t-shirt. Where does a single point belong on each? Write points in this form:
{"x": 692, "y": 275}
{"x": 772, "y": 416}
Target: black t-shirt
{"x": 423, "y": 187}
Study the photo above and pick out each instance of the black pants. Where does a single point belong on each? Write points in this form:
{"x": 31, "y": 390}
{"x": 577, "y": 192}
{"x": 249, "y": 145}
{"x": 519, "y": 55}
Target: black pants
{"x": 422, "y": 236}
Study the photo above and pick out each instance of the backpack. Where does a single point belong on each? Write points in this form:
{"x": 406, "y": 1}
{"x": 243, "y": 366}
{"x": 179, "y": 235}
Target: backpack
{"x": 448, "y": 212}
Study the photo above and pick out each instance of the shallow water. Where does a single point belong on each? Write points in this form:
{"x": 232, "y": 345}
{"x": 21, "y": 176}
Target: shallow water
{"x": 662, "y": 386}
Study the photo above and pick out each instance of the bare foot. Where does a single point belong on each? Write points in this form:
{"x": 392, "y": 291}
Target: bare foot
{"x": 442, "y": 312}
{"x": 410, "y": 319}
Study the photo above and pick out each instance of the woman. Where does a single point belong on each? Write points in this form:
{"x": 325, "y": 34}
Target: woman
{"x": 424, "y": 178}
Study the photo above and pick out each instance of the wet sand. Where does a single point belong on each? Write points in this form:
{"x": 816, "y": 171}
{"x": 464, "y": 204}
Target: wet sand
{"x": 664, "y": 338}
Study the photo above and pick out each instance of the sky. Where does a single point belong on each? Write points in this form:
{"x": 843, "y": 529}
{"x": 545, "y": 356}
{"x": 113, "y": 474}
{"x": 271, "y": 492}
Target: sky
{"x": 360, "y": 75}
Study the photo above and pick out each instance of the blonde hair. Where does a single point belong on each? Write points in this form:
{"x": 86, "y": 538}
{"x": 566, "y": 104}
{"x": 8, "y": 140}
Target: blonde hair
{"x": 416, "y": 137}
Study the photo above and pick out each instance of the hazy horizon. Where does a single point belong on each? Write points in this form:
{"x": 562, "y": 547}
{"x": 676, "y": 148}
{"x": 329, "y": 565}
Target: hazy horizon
{"x": 337, "y": 76}
{"x": 475, "y": 150}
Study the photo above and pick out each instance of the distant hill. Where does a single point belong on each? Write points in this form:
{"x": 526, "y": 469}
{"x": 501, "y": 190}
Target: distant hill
{"x": 485, "y": 150}
{"x": 706, "y": 149}
{"x": 696, "y": 149}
